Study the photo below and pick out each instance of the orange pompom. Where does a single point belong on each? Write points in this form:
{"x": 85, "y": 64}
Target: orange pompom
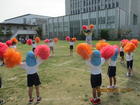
{"x": 55, "y": 40}
{"x": 12, "y": 58}
{"x": 101, "y": 44}
{"x": 129, "y": 47}
{"x": 74, "y": 39}
{"x": 91, "y": 26}
{"x": 84, "y": 50}
{"x": 37, "y": 39}
{"x": 14, "y": 40}
{"x": 135, "y": 41}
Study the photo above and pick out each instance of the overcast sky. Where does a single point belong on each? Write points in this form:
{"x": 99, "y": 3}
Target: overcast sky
{"x": 13, "y": 8}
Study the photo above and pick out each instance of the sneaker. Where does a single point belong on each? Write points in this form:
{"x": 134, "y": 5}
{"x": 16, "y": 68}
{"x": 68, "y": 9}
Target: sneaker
{"x": 128, "y": 74}
{"x": 110, "y": 87}
{"x": 31, "y": 101}
{"x": 39, "y": 99}
{"x": 115, "y": 86}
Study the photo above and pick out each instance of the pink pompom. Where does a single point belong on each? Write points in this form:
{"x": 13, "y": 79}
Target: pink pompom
{"x": 29, "y": 42}
{"x": 46, "y": 40}
{"x": 9, "y": 43}
{"x": 84, "y": 27}
{"x": 42, "y": 51}
{"x": 67, "y": 38}
{"x": 108, "y": 51}
{"x": 3, "y": 48}
{"x": 116, "y": 46}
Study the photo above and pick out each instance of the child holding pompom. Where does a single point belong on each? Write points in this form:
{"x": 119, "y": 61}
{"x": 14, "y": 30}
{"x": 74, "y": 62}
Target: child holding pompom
{"x": 95, "y": 63}
{"x": 129, "y": 60}
{"x": 51, "y": 45}
{"x": 71, "y": 43}
{"x": 33, "y": 46}
{"x": 112, "y": 69}
{"x": 31, "y": 67}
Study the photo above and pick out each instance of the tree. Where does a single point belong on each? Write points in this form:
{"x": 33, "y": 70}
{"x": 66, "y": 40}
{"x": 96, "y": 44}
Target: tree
{"x": 104, "y": 33}
{"x": 39, "y": 32}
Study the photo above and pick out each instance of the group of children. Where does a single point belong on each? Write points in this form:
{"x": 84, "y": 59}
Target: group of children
{"x": 95, "y": 62}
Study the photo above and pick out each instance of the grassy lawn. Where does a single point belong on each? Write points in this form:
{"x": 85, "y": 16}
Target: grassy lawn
{"x": 65, "y": 81}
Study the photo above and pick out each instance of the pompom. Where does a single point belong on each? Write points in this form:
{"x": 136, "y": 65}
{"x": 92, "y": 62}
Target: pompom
{"x": 29, "y": 42}
{"x": 55, "y": 40}
{"x": 74, "y": 39}
{"x": 12, "y": 58}
{"x": 101, "y": 44}
{"x": 91, "y": 26}
{"x": 3, "y": 48}
{"x": 9, "y": 43}
{"x": 67, "y": 38}
{"x": 129, "y": 47}
{"x": 135, "y": 41}
{"x": 114, "y": 57}
{"x": 37, "y": 40}
{"x": 46, "y": 40}
{"x": 124, "y": 42}
{"x": 107, "y": 52}
{"x": 14, "y": 40}
{"x": 96, "y": 58}
{"x": 84, "y": 50}
{"x": 31, "y": 59}
{"x": 43, "y": 51}
{"x": 84, "y": 27}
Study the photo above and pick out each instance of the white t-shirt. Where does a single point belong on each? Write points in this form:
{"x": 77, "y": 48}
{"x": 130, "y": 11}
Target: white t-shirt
{"x": 14, "y": 46}
{"x": 112, "y": 63}
{"x": 51, "y": 44}
{"x": 129, "y": 57}
{"x": 71, "y": 43}
{"x": 34, "y": 45}
{"x": 95, "y": 70}
{"x": 33, "y": 69}
{"x": 121, "y": 49}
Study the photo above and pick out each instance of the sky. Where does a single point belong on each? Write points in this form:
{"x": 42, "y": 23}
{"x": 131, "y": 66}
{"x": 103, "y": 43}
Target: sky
{"x": 13, "y": 8}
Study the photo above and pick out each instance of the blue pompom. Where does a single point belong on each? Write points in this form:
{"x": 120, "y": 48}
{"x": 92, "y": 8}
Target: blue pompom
{"x": 31, "y": 59}
{"x": 114, "y": 58}
{"x": 96, "y": 58}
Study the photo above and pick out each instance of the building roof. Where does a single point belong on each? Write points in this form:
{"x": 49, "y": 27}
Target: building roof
{"x": 17, "y": 24}
{"x": 27, "y": 15}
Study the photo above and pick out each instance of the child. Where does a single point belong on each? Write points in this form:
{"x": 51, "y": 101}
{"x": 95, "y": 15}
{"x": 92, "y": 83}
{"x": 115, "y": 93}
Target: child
{"x": 129, "y": 60}
{"x": 31, "y": 67}
{"x": 1, "y": 64}
{"x": 34, "y": 46}
{"x": 96, "y": 78}
{"x": 112, "y": 70}
{"x": 122, "y": 54}
{"x": 71, "y": 46}
{"x": 51, "y": 45}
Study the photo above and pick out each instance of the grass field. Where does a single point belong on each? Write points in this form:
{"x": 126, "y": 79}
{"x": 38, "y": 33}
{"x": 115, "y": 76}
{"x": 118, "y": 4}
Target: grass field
{"x": 65, "y": 81}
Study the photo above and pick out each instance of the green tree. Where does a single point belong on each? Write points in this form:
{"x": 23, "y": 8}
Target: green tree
{"x": 104, "y": 33}
{"x": 39, "y": 32}
{"x": 1, "y": 33}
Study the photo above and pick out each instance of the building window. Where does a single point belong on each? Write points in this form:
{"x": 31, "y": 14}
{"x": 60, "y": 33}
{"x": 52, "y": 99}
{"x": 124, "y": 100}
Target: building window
{"x": 117, "y": 4}
{"x": 135, "y": 19}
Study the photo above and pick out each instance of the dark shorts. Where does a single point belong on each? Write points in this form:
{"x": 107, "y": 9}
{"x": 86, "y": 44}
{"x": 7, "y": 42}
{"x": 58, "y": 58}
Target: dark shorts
{"x": 71, "y": 47}
{"x": 112, "y": 71}
{"x": 121, "y": 54}
{"x": 51, "y": 48}
{"x": 33, "y": 79}
{"x": 96, "y": 80}
{"x": 130, "y": 64}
